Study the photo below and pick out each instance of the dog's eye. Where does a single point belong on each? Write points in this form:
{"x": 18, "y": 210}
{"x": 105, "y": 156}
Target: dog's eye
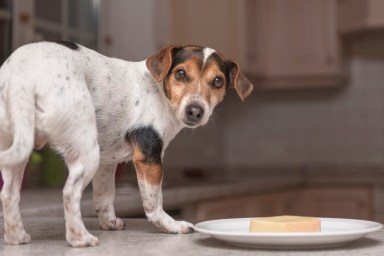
{"x": 180, "y": 74}
{"x": 217, "y": 82}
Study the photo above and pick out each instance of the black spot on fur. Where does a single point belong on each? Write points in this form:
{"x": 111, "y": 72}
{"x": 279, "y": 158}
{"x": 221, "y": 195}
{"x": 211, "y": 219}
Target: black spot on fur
{"x": 137, "y": 103}
{"x": 70, "y": 45}
{"x": 149, "y": 141}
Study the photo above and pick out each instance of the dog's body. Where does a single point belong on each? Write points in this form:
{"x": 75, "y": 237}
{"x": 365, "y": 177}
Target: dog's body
{"x": 97, "y": 112}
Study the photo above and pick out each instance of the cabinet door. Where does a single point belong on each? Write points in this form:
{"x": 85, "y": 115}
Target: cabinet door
{"x": 213, "y": 23}
{"x": 355, "y": 203}
{"x": 360, "y": 15}
{"x": 292, "y": 42}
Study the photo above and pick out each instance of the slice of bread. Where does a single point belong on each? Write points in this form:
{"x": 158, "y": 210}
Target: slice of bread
{"x": 285, "y": 223}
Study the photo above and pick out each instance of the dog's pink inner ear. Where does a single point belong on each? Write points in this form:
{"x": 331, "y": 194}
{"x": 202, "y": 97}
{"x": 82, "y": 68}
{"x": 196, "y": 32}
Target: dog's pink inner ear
{"x": 160, "y": 63}
{"x": 242, "y": 85}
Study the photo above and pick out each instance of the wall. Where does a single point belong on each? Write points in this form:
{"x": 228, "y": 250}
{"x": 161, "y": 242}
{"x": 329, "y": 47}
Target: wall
{"x": 201, "y": 148}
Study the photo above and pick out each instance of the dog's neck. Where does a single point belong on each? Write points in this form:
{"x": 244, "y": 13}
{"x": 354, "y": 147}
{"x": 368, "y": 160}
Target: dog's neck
{"x": 163, "y": 116}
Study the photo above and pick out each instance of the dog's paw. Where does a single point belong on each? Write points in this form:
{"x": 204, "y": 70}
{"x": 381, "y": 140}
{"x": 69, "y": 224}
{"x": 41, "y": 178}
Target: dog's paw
{"x": 183, "y": 227}
{"x": 171, "y": 226}
{"x": 19, "y": 238}
{"x": 83, "y": 241}
{"x": 116, "y": 224}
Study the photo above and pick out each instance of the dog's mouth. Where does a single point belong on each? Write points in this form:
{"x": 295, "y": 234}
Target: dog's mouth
{"x": 190, "y": 124}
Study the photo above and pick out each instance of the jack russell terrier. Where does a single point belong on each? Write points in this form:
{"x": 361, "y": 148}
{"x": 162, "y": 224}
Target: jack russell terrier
{"x": 97, "y": 112}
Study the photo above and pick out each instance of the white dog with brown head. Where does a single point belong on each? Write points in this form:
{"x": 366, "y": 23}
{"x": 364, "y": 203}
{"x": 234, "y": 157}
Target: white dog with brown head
{"x": 97, "y": 112}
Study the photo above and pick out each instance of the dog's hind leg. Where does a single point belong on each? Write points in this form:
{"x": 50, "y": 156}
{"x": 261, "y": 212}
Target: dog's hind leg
{"x": 103, "y": 197}
{"x": 81, "y": 171}
{"x": 82, "y": 160}
{"x": 14, "y": 232}
{"x": 74, "y": 135}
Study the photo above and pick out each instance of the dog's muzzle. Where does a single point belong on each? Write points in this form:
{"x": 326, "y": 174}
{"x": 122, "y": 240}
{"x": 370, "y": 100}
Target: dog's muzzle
{"x": 193, "y": 114}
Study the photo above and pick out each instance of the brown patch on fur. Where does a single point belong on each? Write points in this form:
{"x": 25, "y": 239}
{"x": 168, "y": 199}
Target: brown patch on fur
{"x": 238, "y": 80}
{"x": 160, "y": 63}
{"x": 150, "y": 172}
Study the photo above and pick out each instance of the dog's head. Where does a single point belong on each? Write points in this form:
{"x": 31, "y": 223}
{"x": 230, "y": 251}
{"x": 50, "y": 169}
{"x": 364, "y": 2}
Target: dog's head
{"x": 195, "y": 80}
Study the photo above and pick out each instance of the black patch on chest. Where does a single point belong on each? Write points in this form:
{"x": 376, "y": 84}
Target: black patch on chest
{"x": 149, "y": 142}
{"x": 70, "y": 45}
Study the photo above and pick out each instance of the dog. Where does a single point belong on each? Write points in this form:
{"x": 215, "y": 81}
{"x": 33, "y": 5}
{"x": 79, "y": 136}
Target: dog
{"x": 97, "y": 112}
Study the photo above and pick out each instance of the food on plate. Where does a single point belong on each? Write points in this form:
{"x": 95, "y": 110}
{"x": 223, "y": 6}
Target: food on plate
{"x": 285, "y": 223}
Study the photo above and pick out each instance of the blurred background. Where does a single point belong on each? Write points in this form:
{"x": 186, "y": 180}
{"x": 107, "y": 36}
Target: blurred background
{"x": 314, "y": 122}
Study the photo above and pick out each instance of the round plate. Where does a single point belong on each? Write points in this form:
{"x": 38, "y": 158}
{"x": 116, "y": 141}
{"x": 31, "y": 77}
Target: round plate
{"x": 334, "y": 233}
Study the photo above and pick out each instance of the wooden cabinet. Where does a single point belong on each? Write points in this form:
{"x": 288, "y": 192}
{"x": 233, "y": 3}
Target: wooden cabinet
{"x": 279, "y": 43}
{"x": 292, "y": 43}
{"x": 276, "y": 203}
{"x": 360, "y": 15}
{"x": 213, "y": 23}
{"x": 355, "y": 203}
{"x": 342, "y": 202}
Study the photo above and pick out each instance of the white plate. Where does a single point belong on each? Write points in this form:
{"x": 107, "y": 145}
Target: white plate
{"x": 334, "y": 233}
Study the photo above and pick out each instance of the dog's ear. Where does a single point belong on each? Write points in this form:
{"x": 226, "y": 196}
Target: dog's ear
{"x": 160, "y": 63}
{"x": 237, "y": 79}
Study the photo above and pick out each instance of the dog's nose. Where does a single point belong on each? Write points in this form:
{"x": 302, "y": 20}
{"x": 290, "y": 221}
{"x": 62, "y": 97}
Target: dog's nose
{"x": 194, "y": 113}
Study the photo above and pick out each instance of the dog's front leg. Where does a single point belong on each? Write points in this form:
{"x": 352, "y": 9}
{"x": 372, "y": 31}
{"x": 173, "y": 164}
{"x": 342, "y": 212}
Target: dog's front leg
{"x": 150, "y": 175}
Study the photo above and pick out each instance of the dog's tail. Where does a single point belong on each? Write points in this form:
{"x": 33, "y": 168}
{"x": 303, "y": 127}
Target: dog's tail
{"x": 21, "y": 111}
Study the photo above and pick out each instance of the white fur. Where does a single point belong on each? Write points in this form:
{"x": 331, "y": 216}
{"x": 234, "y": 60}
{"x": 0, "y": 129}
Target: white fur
{"x": 207, "y": 52}
{"x": 50, "y": 94}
